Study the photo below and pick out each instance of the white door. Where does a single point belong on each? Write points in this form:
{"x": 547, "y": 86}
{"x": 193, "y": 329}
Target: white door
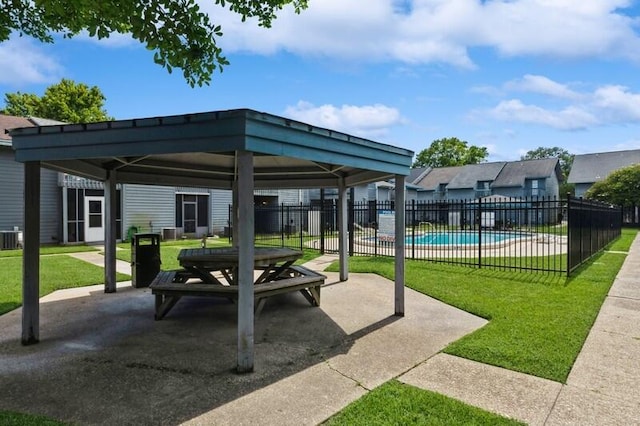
{"x": 93, "y": 219}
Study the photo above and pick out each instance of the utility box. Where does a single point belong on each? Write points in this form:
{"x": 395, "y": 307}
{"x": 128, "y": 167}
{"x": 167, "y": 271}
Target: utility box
{"x": 145, "y": 259}
{"x": 10, "y": 240}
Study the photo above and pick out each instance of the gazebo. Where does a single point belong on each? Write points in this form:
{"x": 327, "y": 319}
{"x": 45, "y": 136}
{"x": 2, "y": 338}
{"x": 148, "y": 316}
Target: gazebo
{"x": 236, "y": 149}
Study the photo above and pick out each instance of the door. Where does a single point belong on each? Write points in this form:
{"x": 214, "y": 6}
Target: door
{"x": 189, "y": 217}
{"x": 93, "y": 219}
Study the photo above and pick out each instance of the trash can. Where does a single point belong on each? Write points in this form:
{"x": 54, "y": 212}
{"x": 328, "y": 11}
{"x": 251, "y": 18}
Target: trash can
{"x": 145, "y": 259}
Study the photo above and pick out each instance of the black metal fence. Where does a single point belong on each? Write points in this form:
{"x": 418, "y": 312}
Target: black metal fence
{"x": 592, "y": 225}
{"x": 534, "y": 234}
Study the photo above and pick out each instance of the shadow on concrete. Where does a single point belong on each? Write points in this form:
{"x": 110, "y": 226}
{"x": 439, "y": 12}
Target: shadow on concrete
{"x": 103, "y": 359}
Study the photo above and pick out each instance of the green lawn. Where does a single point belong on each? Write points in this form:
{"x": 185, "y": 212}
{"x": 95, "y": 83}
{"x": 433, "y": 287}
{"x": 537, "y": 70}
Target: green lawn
{"x": 538, "y": 322}
{"x": 9, "y": 418}
{"x": 56, "y": 272}
{"x": 395, "y": 403}
{"x": 49, "y": 250}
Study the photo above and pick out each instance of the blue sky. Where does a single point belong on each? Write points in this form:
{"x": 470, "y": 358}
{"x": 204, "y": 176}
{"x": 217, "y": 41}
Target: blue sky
{"x": 509, "y": 75}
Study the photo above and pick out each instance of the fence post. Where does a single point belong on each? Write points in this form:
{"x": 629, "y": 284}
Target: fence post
{"x": 322, "y": 220}
{"x": 301, "y": 226}
{"x": 480, "y": 233}
{"x": 569, "y": 221}
{"x": 282, "y": 224}
{"x": 350, "y": 226}
{"x": 413, "y": 228}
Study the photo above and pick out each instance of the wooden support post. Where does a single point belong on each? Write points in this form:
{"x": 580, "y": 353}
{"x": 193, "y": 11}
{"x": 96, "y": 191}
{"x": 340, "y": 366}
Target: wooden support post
{"x": 31, "y": 255}
{"x": 343, "y": 238}
{"x": 110, "y": 197}
{"x": 399, "y": 245}
{"x": 244, "y": 229}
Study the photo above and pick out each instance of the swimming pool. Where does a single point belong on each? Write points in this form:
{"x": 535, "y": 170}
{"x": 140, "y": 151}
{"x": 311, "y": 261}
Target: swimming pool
{"x": 459, "y": 238}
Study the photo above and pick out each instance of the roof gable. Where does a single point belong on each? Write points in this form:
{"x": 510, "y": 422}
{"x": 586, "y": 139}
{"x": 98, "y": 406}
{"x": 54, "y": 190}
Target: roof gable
{"x": 471, "y": 174}
{"x": 590, "y": 168}
{"x": 436, "y": 177}
{"x": 8, "y": 122}
{"x": 514, "y": 173}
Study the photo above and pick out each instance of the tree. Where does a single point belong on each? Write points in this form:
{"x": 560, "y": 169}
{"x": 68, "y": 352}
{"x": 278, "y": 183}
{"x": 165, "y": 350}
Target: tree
{"x": 621, "y": 187}
{"x": 450, "y": 152}
{"x": 566, "y": 158}
{"x": 180, "y": 35}
{"x": 66, "y": 101}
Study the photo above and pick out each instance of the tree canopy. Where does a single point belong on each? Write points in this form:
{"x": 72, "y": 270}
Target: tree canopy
{"x": 566, "y": 158}
{"x": 179, "y": 34}
{"x": 450, "y": 152}
{"x": 66, "y": 101}
{"x": 621, "y": 187}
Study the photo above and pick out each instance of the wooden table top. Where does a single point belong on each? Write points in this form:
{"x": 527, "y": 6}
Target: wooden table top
{"x": 219, "y": 256}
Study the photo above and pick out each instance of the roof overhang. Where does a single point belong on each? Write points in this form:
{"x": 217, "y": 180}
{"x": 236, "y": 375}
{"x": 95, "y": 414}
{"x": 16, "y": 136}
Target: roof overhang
{"x": 200, "y": 150}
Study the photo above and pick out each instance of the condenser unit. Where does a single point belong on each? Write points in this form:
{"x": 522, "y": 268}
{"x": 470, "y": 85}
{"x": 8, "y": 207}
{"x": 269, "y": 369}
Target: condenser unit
{"x": 9, "y": 240}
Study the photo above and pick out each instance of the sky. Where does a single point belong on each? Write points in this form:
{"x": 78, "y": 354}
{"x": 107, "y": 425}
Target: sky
{"x": 508, "y": 75}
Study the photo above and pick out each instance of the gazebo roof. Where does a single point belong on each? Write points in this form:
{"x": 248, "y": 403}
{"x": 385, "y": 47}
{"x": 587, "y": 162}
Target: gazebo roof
{"x": 200, "y": 150}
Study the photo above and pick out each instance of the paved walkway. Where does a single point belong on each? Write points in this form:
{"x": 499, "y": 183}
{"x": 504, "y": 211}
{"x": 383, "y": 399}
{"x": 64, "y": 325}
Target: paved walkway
{"x": 603, "y": 387}
{"x": 369, "y": 348}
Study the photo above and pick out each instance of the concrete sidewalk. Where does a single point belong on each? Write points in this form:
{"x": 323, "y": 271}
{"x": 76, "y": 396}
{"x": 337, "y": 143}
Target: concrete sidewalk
{"x": 98, "y": 259}
{"x": 603, "y": 387}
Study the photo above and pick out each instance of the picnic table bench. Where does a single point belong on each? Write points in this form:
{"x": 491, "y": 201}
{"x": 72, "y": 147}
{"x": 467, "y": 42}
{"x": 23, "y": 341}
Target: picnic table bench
{"x": 170, "y": 286}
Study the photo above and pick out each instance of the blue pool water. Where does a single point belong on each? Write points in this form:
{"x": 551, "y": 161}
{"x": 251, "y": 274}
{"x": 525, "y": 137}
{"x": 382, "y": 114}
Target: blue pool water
{"x": 458, "y": 238}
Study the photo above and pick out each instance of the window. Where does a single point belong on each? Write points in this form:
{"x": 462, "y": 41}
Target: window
{"x": 534, "y": 188}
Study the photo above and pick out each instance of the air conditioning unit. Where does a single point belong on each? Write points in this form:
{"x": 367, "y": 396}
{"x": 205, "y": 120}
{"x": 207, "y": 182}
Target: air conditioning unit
{"x": 10, "y": 240}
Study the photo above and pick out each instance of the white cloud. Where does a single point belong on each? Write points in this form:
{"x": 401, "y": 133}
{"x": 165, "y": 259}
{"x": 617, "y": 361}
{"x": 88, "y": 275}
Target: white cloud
{"x": 22, "y": 62}
{"x": 618, "y": 103}
{"x": 630, "y": 144}
{"x": 443, "y": 31}
{"x": 605, "y": 105}
{"x": 365, "y": 121}
{"x": 569, "y": 118}
{"x": 542, "y": 85}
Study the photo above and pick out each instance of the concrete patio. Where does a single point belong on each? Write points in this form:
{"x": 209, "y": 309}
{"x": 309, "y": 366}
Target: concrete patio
{"x": 109, "y": 362}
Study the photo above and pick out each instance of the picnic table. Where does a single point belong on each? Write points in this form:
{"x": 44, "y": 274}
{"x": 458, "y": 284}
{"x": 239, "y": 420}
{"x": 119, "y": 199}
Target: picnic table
{"x": 212, "y": 272}
{"x": 205, "y": 262}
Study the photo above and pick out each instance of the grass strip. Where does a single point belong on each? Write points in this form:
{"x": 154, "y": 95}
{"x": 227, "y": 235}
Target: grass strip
{"x": 10, "y": 418}
{"x": 395, "y": 403}
{"x": 47, "y": 250}
{"x": 538, "y": 322}
{"x": 56, "y": 273}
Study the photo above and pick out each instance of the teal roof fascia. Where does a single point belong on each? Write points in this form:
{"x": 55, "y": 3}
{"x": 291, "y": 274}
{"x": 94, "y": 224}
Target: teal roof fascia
{"x": 213, "y": 132}
{"x": 293, "y": 139}
{"x": 165, "y": 135}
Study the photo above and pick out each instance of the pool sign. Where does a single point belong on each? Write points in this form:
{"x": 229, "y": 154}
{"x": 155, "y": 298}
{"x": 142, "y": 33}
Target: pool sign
{"x": 386, "y": 225}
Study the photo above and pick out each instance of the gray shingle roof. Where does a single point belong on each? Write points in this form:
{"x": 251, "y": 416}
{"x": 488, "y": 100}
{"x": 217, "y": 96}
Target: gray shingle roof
{"x": 470, "y": 174}
{"x": 8, "y": 122}
{"x": 437, "y": 176}
{"x": 514, "y": 173}
{"x": 416, "y": 173}
{"x": 590, "y": 168}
